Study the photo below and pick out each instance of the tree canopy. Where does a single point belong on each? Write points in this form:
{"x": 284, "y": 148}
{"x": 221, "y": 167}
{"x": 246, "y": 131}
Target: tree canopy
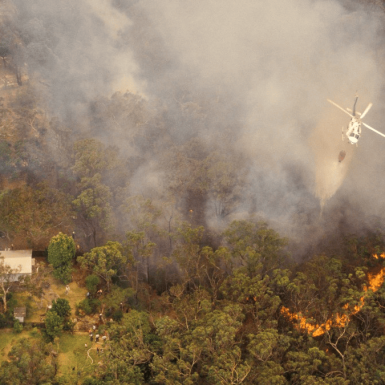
{"x": 61, "y": 252}
{"x": 104, "y": 261}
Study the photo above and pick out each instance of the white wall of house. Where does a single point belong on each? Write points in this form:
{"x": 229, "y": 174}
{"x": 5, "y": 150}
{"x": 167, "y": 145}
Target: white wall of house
{"x": 16, "y": 258}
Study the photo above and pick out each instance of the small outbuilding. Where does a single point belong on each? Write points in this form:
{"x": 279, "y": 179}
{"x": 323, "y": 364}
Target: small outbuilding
{"x": 20, "y": 313}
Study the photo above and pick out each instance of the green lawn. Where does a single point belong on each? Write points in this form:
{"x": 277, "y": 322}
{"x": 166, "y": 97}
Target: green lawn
{"x": 5, "y": 341}
{"x": 8, "y": 339}
{"x": 38, "y": 306}
{"x": 71, "y": 348}
{"x": 33, "y": 312}
{"x": 73, "y": 354}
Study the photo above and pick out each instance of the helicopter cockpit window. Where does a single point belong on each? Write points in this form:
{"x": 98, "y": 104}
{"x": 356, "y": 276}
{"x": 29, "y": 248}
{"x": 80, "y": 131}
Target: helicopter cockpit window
{"x": 357, "y": 136}
{"x": 352, "y": 134}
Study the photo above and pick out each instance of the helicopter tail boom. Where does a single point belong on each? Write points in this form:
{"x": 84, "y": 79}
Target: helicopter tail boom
{"x": 354, "y": 106}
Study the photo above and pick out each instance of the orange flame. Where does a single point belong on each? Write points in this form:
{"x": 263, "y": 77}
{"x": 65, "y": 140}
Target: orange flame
{"x": 375, "y": 282}
{"x": 382, "y": 256}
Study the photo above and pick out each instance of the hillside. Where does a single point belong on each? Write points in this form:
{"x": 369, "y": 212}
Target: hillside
{"x": 177, "y": 171}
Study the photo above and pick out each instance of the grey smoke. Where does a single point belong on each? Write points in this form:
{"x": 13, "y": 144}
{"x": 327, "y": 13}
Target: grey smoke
{"x": 247, "y": 78}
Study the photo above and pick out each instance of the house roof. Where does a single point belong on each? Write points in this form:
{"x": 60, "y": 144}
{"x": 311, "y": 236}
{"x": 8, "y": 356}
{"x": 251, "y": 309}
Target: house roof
{"x": 16, "y": 258}
{"x": 20, "y": 311}
{"x": 15, "y": 253}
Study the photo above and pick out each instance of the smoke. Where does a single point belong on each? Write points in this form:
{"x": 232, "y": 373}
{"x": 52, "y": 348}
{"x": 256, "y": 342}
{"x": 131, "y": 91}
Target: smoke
{"x": 74, "y": 47}
{"x": 248, "y": 80}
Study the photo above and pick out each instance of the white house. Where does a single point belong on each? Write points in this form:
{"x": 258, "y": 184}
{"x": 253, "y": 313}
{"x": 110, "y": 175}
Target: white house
{"x": 17, "y": 258}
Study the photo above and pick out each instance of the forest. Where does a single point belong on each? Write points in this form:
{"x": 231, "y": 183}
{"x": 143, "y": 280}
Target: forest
{"x": 186, "y": 229}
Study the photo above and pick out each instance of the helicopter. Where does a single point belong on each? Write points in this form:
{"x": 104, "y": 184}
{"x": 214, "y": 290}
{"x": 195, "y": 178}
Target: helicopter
{"x": 353, "y": 130}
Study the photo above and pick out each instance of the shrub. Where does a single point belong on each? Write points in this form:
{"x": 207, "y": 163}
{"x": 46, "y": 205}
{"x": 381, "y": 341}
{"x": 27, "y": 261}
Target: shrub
{"x": 92, "y": 282}
{"x": 62, "y": 307}
{"x": 63, "y": 273}
{"x": 53, "y": 325}
{"x": 17, "y": 327}
{"x": 92, "y": 381}
{"x": 68, "y": 326}
{"x": 9, "y": 296}
{"x": 3, "y": 320}
{"x": 95, "y": 304}
{"x": 34, "y": 332}
{"x": 11, "y": 303}
{"x": 117, "y": 316}
{"x": 61, "y": 251}
{"x": 88, "y": 306}
{"x": 84, "y": 306}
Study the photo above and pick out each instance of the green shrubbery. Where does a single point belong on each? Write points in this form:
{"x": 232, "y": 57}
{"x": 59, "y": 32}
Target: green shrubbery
{"x": 57, "y": 318}
{"x": 88, "y": 306}
{"x": 92, "y": 282}
{"x": 62, "y": 307}
{"x": 17, "y": 327}
{"x": 53, "y": 325}
{"x": 61, "y": 251}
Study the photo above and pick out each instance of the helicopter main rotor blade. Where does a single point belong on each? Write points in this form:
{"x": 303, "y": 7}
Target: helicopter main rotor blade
{"x": 371, "y": 128}
{"x": 342, "y": 109}
{"x": 367, "y": 109}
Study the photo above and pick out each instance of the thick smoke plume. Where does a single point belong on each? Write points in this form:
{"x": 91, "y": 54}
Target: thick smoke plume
{"x": 248, "y": 80}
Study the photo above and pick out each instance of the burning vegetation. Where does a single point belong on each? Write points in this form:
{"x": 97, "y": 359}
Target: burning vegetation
{"x": 375, "y": 281}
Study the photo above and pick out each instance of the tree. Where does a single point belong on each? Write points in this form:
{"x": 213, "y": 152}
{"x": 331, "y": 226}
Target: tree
{"x": 53, "y": 324}
{"x": 4, "y": 52}
{"x": 61, "y": 251}
{"x": 138, "y": 250}
{"x": 175, "y": 361}
{"x": 104, "y": 261}
{"x": 29, "y": 362}
{"x": 93, "y": 206}
{"x": 216, "y": 267}
{"x": 93, "y": 201}
{"x": 226, "y": 177}
{"x": 188, "y": 253}
{"x": 366, "y": 362}
{"x": 91, "y": 158}
{"x": 8, "y": 280}
{"x": 11, "y": 45}
{"x": 129, "y": 348}
{"x": 92, "y": 282}
{"x": 266, "y": 350}
{"x": 200, "y": 265}
{"x": 209, "y": 347}
{"x": 34, "y": 214}
{"x": 118, "y": 297}
{"x": 17, "y": 327}
{"x": 254, "y": 295}
{"x": 255, "y": 246}
{"x": 62, "y": 307}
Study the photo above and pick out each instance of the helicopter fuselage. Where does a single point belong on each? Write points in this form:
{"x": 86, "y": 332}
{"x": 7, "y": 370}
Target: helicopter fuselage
{"x": 353, "y": 131}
